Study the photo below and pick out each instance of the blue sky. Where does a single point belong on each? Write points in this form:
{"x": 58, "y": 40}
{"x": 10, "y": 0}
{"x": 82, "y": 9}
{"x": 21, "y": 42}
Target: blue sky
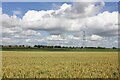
{"x": 9, "y": 7}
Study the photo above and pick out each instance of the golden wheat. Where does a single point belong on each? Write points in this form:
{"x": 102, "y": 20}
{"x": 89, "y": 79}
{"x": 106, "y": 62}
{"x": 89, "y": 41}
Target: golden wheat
{"x": 24, "y": 64}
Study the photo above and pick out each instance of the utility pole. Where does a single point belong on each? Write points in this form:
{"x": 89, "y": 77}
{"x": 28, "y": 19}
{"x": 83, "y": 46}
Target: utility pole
{"x": 84, "y": 37}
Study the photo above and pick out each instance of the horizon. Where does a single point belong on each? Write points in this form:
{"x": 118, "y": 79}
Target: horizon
{"x": 58, "y": 45}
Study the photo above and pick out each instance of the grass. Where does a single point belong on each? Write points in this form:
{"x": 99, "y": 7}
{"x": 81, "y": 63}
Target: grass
{"x": 35, "y": 64}
{"x": 60, "y": 49}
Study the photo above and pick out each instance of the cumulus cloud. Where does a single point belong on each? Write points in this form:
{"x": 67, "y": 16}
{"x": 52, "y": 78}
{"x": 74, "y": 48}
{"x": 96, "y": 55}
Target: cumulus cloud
{"x": 96, "y": 38}
{"x": 10, "y": 21}
{"x": 83, "y": 9}
{"x": 103, "y": 24}
{"x": 17, "y": 12}
{"x": 60, "y": 21}
{"x": 65, "y": 16}
{"x": 30, "y": 33}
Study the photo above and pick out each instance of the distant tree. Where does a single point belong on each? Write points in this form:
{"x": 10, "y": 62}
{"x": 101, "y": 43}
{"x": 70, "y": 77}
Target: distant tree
{"x": 29, "y": 46}
{"x": 63, "y": 47}
{"x": 35, "y": 46}
{"x": 114, "y": 48}
{"x": 23, "y": 45}
{"x": 20, "y": 46}
{"x": 59, "y": 46}
{"x": 52, "y": 46}
{"x": 40, "y": 46}
{"x": 101, "y": 47}
{"x": 70, "y": 47}
{"x": 9, "y": 45}
{"x": 81, "y": 47}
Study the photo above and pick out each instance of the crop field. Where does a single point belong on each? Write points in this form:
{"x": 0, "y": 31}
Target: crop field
{"x": 35, "y": 64}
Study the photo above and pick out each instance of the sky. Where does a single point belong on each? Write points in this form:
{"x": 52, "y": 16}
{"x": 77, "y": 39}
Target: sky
{"x": 60, "y": 23}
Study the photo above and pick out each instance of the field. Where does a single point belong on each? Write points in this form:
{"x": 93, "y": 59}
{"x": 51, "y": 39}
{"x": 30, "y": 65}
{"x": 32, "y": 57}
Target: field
{"x": 46, "y": 64}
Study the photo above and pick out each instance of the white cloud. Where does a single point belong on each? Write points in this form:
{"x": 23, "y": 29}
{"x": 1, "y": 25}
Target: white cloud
{"x": 116, "y": 41}
{"x": 10, "y": 21}
{"x": 67, "y": 18}
{"x": 30, "y": 33}
{"x": 96, "y": 38}
{"x": 63, "y": 37}
{"x": 103, "y": 24}
{"x": 55, "y": 38}
{"x": 17, "y": 12}
{"x": 64, "y": 7}
{"x": 100, "y": 24}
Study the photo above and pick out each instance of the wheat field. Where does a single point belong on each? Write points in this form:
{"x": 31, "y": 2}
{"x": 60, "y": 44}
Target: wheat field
{"x": 26, "y": 64}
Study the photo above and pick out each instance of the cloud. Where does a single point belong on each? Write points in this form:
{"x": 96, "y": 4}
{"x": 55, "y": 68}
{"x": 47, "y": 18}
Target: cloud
{"x": 10, "y": 21}
{"x": 55, "y": 38}
{"x": 83, "y": 9}
{"x": 17, "y": 12}
{"x": 63, "y": 25}
{"x": 104, "y": 24}
{"x": 67, "y": 18}
{"x": 99, "y": 24}
{"x": 61, "y": 37}
{"x": 96, "y": 38}
{"x": 30, "y": 33}
{"x": 9, "y": 41}
{"x": 12, "y": 27}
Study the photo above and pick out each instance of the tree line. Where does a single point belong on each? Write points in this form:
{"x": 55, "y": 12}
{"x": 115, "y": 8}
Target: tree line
{"x": 45, "y": 46}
